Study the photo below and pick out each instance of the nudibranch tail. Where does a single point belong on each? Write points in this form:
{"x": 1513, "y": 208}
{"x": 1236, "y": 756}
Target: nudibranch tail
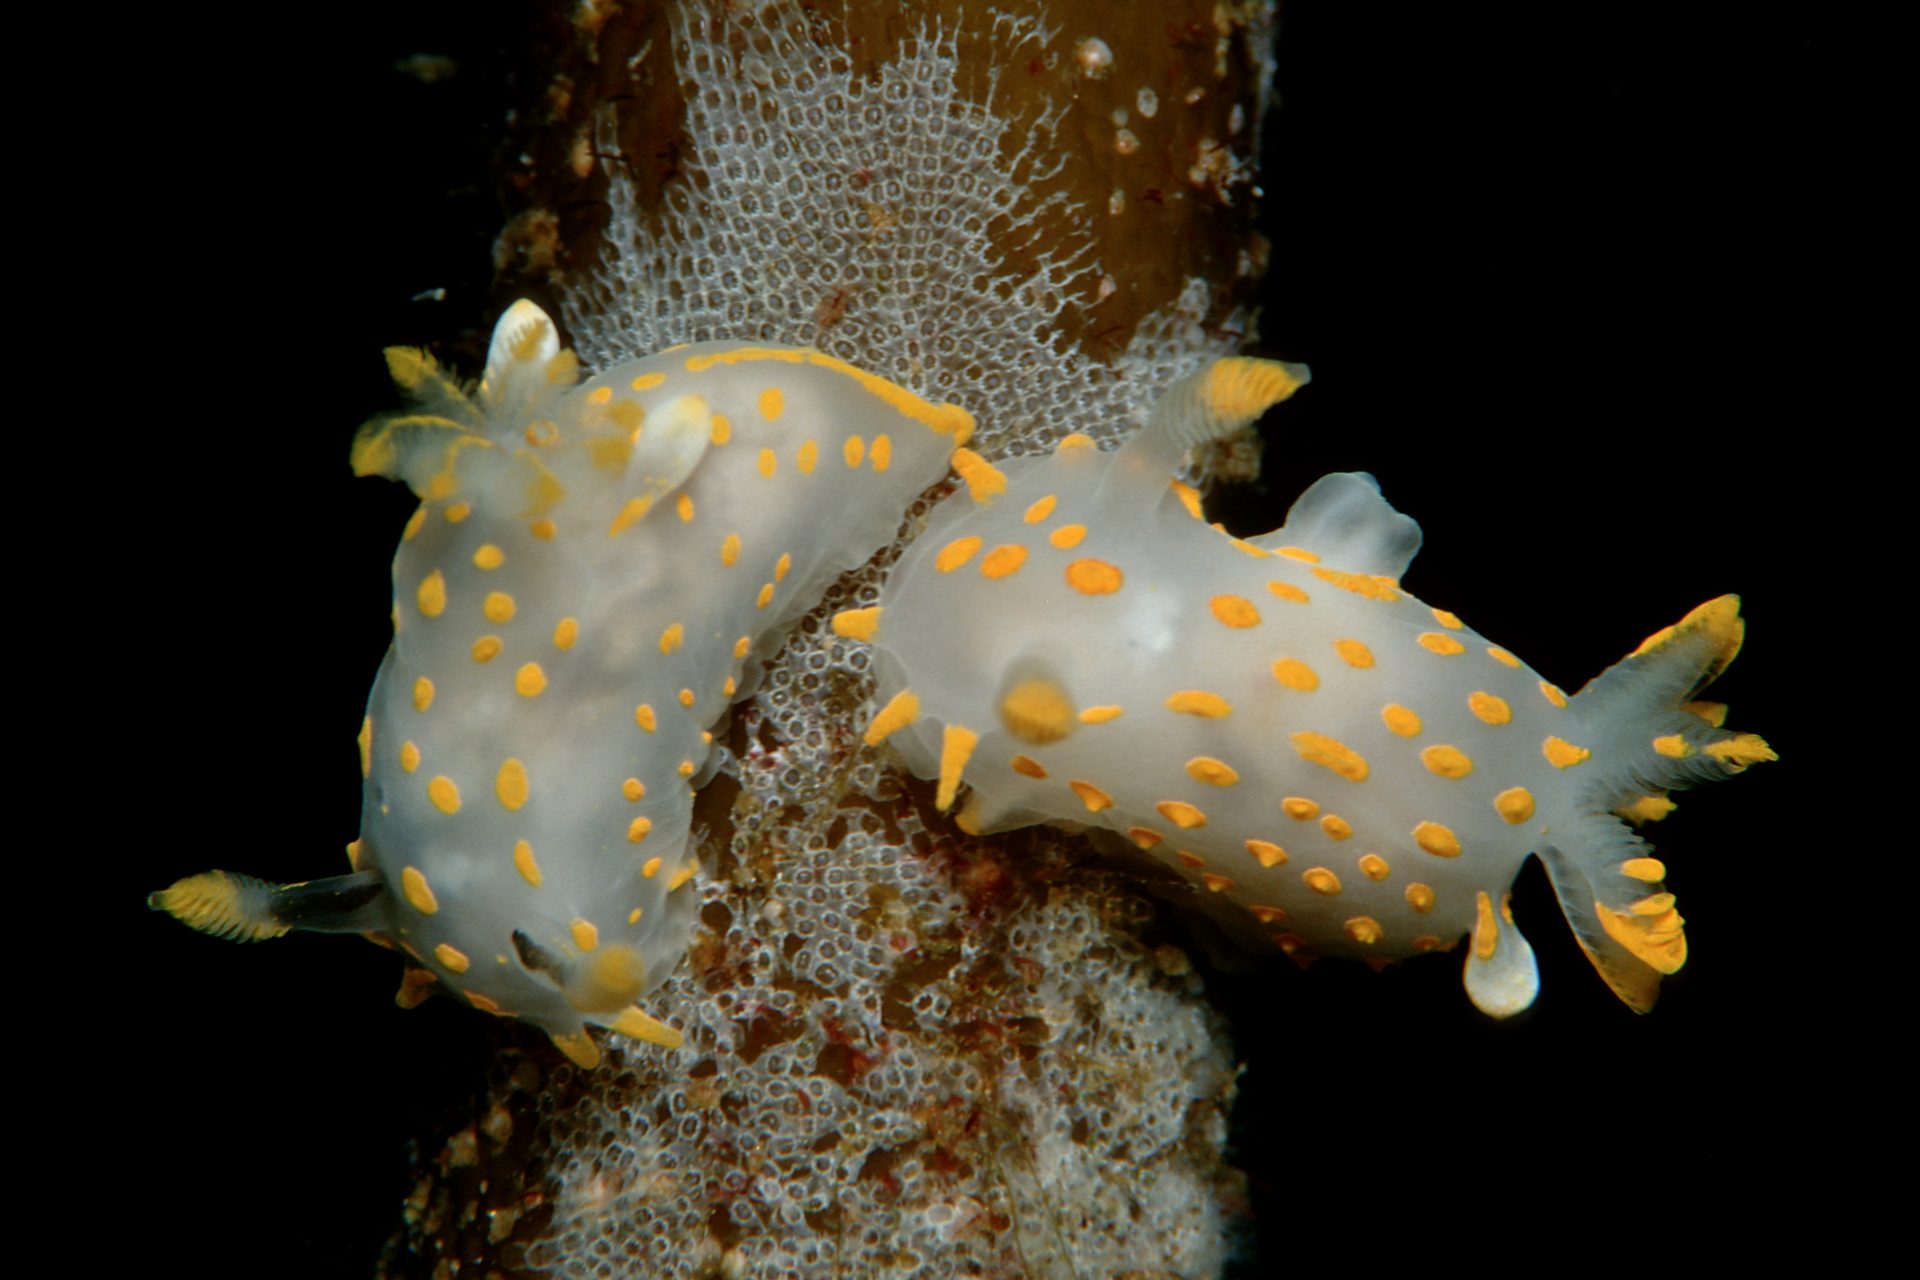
{"x": 1640, "y": 734}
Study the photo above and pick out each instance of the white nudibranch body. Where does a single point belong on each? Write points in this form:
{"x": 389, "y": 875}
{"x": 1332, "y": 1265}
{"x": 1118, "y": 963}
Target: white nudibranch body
{"x": 1323, "y": 756}
{"x": 595, "y": 573}
{"x": 598, "y": 569}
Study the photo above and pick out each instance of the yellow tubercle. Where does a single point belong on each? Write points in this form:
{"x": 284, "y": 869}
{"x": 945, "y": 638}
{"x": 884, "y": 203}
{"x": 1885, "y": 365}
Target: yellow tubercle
{"x": 984, "y": 481}
{"x": 901, "y": 710}
{"x": 956, "y": 747}
{"x": 637, "y": 1025}
{"x": 857, "y": 624}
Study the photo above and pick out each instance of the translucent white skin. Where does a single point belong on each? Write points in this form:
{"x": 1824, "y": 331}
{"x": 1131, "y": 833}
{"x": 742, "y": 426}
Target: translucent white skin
{"x": 598, "y": 648}
{"x": 1280, "y": 722}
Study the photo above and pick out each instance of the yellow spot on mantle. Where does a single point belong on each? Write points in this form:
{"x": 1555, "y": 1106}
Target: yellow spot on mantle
{"x": 956, "y": 553}
{"x": 1321, "y": 880}
{"x": 444, "y": 794}
{"x": 1371, "y": 586}
{"x": 1562, "y": 754}
{"x": 1447, "y": 761}
{"x": 1514, "y": 805}
{"x": 524, "y": 863}
{"x": 1488, "y": 708}
{"x": 414, "y": 888}
{"x": 1288, "y": 592}
{"x": 1181, "y": 814}
{"x": 1003, "y": 561}
{"x": 1094, "y": 577}
{"x": 1198, "y": 702}
{"x": 432, "y": 595}
{"x": 1295, "y": 674}
{"x": 1645, "y": 870}
{"x": 1400, "y": 720}
{"x": 1353, "y": 653}
{"x": 511, "y": 783}
{"x": 1437, "y": 840}
{"x": 1234, "y": 611}
{"x": 1317, "y": 748}
{"x": 1269, "y": 853}
{"x": 1093, "y": 797}
{"x": 1364, "y": 930}
{"x": 1215, "y": 773}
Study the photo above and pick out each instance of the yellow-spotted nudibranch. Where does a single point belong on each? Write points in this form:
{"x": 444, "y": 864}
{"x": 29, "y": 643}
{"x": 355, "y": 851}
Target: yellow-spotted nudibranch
{"x": 1341, "y": 766}
{"x": 595, "y": 572}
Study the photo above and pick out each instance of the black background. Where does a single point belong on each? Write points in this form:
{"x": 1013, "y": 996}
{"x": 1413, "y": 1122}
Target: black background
{"x": 1557, "y": 271}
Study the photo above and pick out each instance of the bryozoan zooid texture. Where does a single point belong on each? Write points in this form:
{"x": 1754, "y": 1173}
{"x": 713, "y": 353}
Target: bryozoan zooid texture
{"x": 908, "y": 1053}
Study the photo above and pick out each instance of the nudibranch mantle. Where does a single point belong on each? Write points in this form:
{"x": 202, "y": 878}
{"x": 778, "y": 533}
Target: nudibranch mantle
{"x": 1276, "y": 718}
{"x": 595, "y": 573}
